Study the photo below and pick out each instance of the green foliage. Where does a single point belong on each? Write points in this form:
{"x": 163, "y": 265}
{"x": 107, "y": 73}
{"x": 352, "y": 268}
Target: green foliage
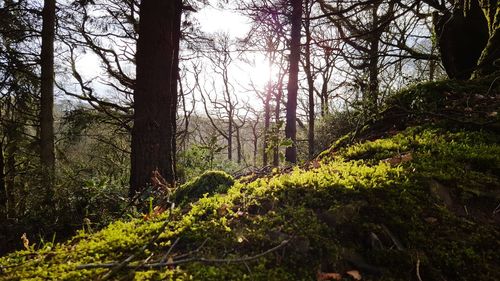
{"x": 199, "y": 158}
{"x": 209, "y": 183}
{"x": 333, "y": 127}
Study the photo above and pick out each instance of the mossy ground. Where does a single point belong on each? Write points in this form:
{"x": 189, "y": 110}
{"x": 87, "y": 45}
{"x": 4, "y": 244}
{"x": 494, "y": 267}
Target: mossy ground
{"x": 421, "y": 201}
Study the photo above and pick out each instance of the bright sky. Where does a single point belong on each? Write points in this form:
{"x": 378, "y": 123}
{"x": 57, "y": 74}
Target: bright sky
{"x": 213, "y": 19}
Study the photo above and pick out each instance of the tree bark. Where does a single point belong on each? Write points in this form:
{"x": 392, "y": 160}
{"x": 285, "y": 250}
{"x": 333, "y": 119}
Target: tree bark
{"x": 462, "y": 36}
{"x": 11, "y": 151}
{"x": 373, "y": 71}
{"x": 47, "y": 99}
{"x": 293, "y": 82}
{"x": 3, "y": 191}
{"x": 267, "y": 123}
{"x": 155, "y": 96}
{"x": 489, "y": 61}
{"x": 310, "y": 81}
{"x": 277, "y": 121}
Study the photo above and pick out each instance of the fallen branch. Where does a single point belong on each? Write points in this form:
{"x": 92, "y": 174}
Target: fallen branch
{"x": 182, "y": 261}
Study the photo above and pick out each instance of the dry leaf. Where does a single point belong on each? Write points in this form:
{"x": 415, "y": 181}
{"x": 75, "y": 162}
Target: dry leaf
{"x": 169, "y": 261}
{"x": 222, "y": 211}
{"x": 158, "y": 210}
{"x": 323, "y": 276}
{"x": 396, "y": 160}
{"x": 315, "y": 164}
{"x": 26, "y": 242}
{"x": 354, "y": 274}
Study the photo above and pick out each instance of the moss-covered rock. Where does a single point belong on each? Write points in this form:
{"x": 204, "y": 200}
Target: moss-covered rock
{"x": 208, "y": 183}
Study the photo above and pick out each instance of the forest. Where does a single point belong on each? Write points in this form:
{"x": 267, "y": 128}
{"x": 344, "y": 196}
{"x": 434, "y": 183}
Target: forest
{"x": 250, "y": 140}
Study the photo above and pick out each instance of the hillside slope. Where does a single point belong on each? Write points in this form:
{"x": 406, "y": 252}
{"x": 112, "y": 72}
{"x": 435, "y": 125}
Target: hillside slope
{"x": 412, "y": 196}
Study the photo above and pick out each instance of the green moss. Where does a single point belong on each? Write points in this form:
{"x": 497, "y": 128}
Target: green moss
{"x": 435, "y": 209}
{"x": 208, "y": 183}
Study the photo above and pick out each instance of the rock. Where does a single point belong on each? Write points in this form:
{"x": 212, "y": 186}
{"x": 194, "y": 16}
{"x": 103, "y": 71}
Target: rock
{"x": 441, "y": 192}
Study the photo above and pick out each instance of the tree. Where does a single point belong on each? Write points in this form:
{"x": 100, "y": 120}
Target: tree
{"x": 47, "y": 98}
{"x": 468, "y": 36}
{"x": 293, "y": 82}
{"x": 155, "y": 95}
{"x": 488, "y": 61}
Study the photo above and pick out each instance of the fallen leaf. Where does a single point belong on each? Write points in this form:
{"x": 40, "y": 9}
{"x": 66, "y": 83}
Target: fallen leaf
{"x": 323, "y": 276}
{"x": 158, "y": 210}
{"x": 354, "y": 274}
{"x": 222, "y": 211}
{"x": 26, "y": 242}
{"x": 315, "y": 164}
{"x": 170, "y": 260}
{"x": 396, "y": 160}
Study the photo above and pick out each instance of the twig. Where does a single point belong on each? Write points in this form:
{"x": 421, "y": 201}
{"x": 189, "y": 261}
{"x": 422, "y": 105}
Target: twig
{"x": 183, "y": 261}
{"x": 165, "y": 257}
{"x": 396, "y": 242}
{"x": 418, "y": 269}
{"x": 117, "y": 266}
{"x": 491, "y": 85}
{"x": 497, "y": 209}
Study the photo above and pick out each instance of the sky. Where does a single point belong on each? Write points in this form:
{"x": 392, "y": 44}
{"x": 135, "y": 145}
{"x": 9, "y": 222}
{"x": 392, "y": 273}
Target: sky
{"x": 212, "y": 19}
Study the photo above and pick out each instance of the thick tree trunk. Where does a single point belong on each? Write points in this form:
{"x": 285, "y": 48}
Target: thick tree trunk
{"x": 462, "y": 36}
{"x": 155, "y": 96}
{"x": 489, "y": 61}
{"x": 47, "y": 99}
{"x": 373, "y": 83}
{"x": 293, "y": 82}
{"x": 371, "y": 101}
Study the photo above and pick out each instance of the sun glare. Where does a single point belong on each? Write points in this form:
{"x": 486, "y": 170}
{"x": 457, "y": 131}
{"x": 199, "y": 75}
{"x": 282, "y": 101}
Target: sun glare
{"x": 260, "y": 73}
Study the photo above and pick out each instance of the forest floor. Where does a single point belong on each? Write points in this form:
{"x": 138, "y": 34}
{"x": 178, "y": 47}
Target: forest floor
{"x": 412, "y": 196}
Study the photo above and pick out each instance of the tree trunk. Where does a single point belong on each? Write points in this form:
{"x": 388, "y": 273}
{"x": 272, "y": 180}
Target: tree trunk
{"x": 3, "y": 191}
{"x": 230, "y": 138}
{"x": 371, "y": 100}
{"x": 310, "y": 81}
{"x": 462, "y": 36}
{"x": 239, "y": 148}
{"x": 11, "y": 151}
{"x": 324, "y": 97}
{"x": 293, "y": 82}
{"x": 47, "y": 99}
{"x": 489, "y": 61}
{"x": 155, "y": 96}
{"x": 277, "y": 110}
{"x": 255, "y": 141}
{"x": 267, "y": 122}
